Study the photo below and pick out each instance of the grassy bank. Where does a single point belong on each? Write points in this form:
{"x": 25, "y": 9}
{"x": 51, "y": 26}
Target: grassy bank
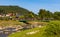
{"x": 52, "y": 29}
{"x": 10, "y": 22}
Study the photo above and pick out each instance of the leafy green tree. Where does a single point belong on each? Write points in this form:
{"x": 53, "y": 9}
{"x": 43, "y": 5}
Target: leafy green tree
{"x": 1, "y": 11}
{"x": 57, "y": 15}
{"x": 31, "y": 16}
{"x": 45, "y": 14}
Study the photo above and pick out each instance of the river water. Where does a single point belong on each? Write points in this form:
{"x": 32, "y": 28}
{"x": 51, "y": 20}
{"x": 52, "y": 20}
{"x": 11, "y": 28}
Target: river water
{"x": 6, "y": 32}
{"x": 3, "y": 35}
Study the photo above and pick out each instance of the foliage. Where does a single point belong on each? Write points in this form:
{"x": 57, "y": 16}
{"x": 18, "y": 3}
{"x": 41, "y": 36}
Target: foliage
{"x": 52, "y": 29}
{"x": 45, "y": 14}
{"x": 17, "y": 11}
{"x": 13, "y": 9}
{"x": 57, "y": 15}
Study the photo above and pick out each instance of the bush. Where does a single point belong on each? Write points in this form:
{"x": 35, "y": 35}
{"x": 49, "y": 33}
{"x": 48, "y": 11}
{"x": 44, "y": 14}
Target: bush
{"x": 52, "y": 29}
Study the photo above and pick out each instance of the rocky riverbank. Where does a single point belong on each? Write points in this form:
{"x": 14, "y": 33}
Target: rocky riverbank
{"x": 14, "y": 26}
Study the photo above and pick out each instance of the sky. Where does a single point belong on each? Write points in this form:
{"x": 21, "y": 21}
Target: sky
{"x": 34, "y": 5}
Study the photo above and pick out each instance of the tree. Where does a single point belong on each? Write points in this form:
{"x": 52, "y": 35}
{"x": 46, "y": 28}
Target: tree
{"x": 30, "y": 16}
{"x": 45, "y": 14}
{"x": 57, "y": 15}
{"x": 2, "y": 11}
{"x": 41, "y": 13}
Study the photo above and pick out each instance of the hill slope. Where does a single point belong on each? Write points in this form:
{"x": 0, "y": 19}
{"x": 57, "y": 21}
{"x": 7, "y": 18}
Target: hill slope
{"x": 14, "y": 9}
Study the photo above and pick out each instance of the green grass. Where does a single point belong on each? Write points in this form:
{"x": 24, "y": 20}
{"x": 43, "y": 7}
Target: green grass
{"x": 10, "y": 22}
{"x": 23, "y": 33}
{"x": 52, "y": 29}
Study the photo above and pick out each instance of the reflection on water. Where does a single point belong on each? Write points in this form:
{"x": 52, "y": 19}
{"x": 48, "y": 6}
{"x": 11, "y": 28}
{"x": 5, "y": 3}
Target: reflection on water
{"x": 6, "y": 32}
{"x": 3, "y": 35}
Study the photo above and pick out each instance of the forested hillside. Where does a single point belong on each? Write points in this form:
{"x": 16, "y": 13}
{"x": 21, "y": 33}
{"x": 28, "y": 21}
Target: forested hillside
{"x": 25, "y": 14}
{"x": 13, "y": 9}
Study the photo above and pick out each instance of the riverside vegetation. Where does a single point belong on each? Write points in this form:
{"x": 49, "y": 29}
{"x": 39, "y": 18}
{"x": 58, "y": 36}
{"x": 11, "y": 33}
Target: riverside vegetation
{"x": 52, "y": 29}
{"x": 16, "y": 21}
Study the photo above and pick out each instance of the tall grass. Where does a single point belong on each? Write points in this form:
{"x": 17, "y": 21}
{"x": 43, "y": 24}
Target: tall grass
{"x": 50, "y": 30}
